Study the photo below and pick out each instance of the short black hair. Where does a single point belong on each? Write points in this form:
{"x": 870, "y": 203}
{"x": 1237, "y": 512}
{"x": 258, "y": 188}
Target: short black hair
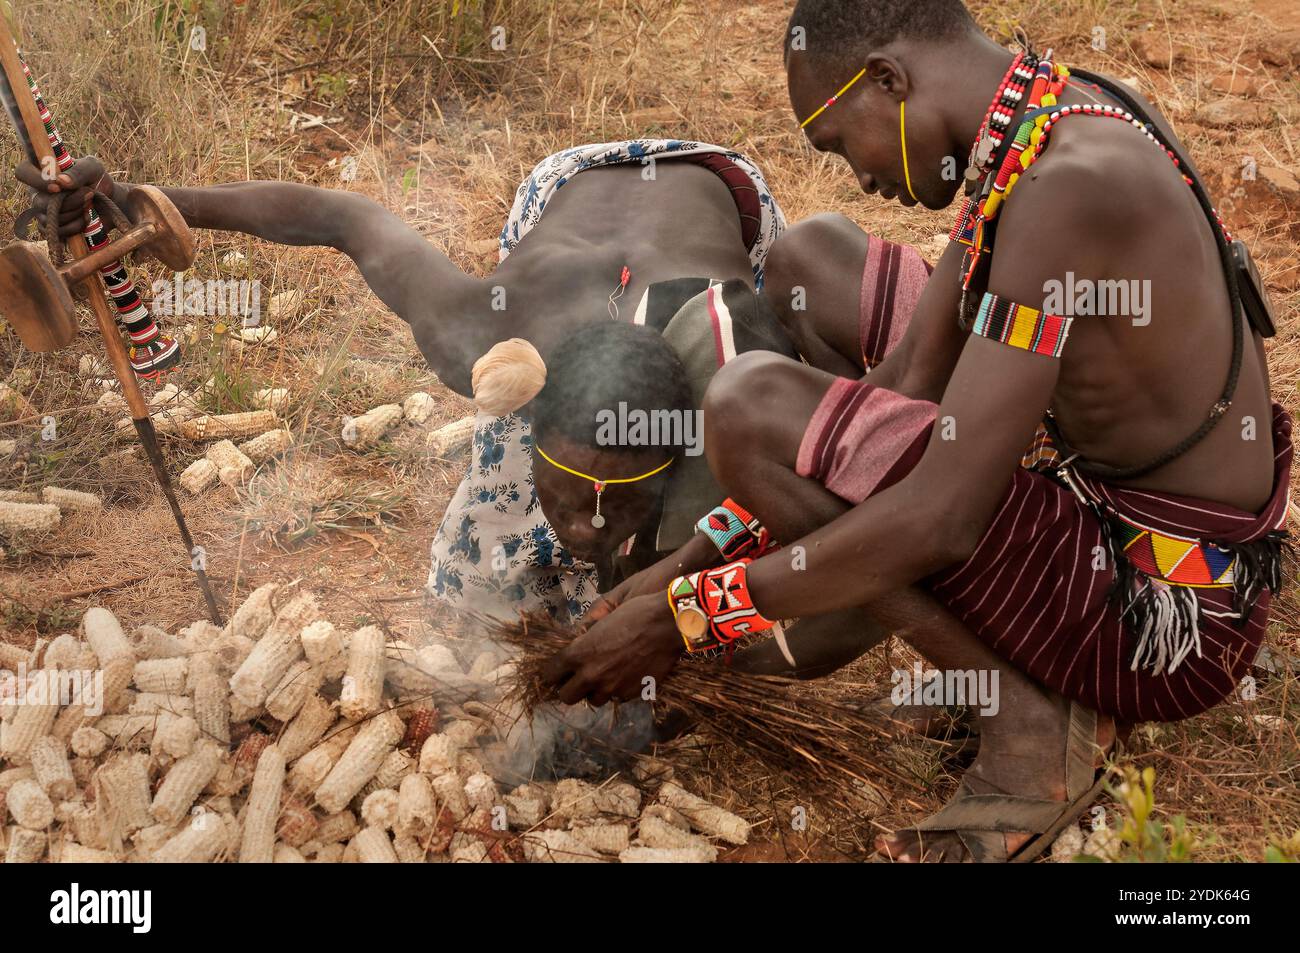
{"x": 601, "y": 366}
{"x": 844, "y": 32}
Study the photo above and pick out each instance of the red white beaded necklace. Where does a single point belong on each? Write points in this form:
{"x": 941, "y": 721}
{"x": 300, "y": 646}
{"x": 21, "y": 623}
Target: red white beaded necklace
{"x": 997, "y": 119}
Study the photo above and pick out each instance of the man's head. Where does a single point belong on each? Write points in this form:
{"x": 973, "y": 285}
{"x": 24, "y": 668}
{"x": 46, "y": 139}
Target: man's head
{"x": 901, "y": 45}
{"x": 606, "y": 390}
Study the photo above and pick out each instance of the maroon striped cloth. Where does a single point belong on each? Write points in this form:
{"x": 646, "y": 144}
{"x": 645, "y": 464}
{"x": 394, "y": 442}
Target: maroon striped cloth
{"x": 1030, "y": 590}
{"x": 893, "y": 277}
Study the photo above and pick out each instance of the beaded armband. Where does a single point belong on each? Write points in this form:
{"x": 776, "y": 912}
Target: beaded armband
{"x": 1020, "y": 326}
{"x": 736, "y": 533}
{"x": 713, "y": 607}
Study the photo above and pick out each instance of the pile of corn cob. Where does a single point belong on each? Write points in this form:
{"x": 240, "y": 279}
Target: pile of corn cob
{"x": 282, "y": 738}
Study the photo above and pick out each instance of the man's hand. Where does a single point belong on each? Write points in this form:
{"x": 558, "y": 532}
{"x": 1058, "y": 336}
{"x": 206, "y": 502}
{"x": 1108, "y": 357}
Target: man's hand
{"x": 698, "y": 553}
{"x": 76, "y": 187}
{"x": 611, "y": 659}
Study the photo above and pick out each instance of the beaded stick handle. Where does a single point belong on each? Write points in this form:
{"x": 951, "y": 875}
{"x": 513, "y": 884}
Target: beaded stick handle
{"x": 132, "y": 313}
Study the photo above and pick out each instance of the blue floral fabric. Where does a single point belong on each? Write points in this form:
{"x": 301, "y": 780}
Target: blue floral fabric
{"x": 495, "y": 553}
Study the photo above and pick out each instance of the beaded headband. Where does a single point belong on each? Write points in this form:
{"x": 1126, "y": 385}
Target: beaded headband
{"x": 834, "y": 99}
{"x": 598, "y": 521}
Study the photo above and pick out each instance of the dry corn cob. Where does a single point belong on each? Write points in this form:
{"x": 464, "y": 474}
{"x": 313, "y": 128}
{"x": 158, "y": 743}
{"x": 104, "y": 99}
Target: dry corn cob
{"x": 122, "y": 792}
{"x": 468, "y": 849}
{"x": 415, "y": 806}
{"x": 379, "y": 809}
{"x": 278, "y": 649}
{"x": 321, "y": 642}
{"x": 363, "y": 685}
{"x": 72, "y": 501}
{"x": 88, "y": 742}
{"x": 337, "y": 827}
{"x": 310, "y": 770}
{"x": 298, "y": 824}
{"x": 373, "y": 742}
{"x": 63, "y": 653}
{"x": 104, "y": 635}
{"x": 175, "y": 735}
{"x": 152, "y": 643}
{"x": 284, "y": 854}
{"x": 450, "y": 794}
{"x": 25, "y": 846}
{"x": 391, "y": 773}
{"x": 368, "y": 429}
{"x": 30, "y": 805}
{"x": 657, "y": 833}
{"x": 557, "y": 847}
{"x": 256, "y": 613}
{"x": 705, "y": 817}
{"x": 183, "y": 783}
{"x": 298, "y": 684}
{"x": 29, "y": 724}
{"x": 198, "y": 842}
{"x": 604, "y": 838}
{"x": 258, "y": 845}
{"x": 272, "y": 398}
{"x": 225, "y": 426}
{"x": 408, "y": 849}
{"x": 451, "y": 438}
{"x": 419, "y": 407}
{"x": 49, "y": 758}
{"x": 267, "y": 445}
{"x": 19, "y": 518}
{"x": 164, "y": 675}
{"x": 307, "y": 728}
{"x": 481, "y": 791}
{"x": 199, "y": 476}
{"x": 374, "y": 847}
{"x": 18, "y": 496}
{"x": 666, "y": 855}
{"x": 211, "y": 702}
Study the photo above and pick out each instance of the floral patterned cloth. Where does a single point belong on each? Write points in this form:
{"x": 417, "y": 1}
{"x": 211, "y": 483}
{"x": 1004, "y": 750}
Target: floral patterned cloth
{"x": 495, "y": 553}
{"x": 550, "y": 175}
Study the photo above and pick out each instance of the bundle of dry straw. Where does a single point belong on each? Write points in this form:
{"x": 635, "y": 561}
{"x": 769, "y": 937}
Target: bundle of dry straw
{"x": 828, "y": 746}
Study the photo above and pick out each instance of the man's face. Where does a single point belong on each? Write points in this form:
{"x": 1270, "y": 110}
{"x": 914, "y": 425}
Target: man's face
{"x": 863, "y": 128}
{"x": 569, "y": 502}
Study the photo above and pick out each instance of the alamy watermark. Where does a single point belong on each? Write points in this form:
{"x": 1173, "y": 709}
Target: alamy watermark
{"x": 977, "y": 688}
{"x": 651, "y": 428}
{"x": 1113, "y": 298}
{"x": 61, "y": 687}
{"x": 215, "y": 297}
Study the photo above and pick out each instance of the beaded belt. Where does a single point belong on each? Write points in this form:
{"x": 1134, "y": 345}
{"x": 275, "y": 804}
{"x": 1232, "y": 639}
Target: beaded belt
{"x": 1177, "y": 560}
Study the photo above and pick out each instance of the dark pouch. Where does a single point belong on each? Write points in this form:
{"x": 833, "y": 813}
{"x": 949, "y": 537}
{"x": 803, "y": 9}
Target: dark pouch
{"x": 1259, "y": 310}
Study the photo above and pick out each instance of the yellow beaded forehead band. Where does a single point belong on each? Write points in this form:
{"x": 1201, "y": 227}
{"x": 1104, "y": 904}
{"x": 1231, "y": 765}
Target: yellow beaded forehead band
{"x": 834, "y": 99}
{"x": 598, "y": 521}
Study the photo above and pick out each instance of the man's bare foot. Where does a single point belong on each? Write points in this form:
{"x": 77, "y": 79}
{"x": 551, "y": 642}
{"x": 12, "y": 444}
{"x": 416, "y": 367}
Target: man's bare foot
{"x": 1022, "y": 753}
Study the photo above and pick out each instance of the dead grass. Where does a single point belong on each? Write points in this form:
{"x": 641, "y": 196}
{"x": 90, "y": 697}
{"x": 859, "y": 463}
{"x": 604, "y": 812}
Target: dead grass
{"x": 442, "y": 128}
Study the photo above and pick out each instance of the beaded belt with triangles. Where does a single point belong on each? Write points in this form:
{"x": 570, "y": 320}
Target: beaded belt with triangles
{"x": 1177, "y": 560}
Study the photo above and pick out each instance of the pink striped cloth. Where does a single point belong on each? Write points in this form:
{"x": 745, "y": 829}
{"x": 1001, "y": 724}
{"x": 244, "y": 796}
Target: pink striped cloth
{"x": 893, "y": 277}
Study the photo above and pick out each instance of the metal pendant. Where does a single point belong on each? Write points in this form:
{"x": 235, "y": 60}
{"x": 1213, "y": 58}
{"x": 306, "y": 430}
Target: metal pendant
{"x": 598, "y": 521}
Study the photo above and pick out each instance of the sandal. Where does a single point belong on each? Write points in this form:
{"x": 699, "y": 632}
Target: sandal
{"x": 981, "y": 821}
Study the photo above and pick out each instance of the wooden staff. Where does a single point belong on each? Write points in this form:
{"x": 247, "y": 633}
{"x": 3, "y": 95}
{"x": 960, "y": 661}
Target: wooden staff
{"x": 33, "y": 135}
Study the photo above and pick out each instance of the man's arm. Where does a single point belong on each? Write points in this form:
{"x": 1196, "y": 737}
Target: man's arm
{"x": 412, "y": 277}
{"x": 406, "y": 272}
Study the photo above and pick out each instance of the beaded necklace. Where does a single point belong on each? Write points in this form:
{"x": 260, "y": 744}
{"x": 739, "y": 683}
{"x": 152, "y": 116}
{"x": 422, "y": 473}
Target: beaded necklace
{"x": 997, "y": 120}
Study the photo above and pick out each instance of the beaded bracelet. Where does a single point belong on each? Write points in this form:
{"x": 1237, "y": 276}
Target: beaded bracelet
{"x": 713, "y": 607}
{"x": 736, "y": 533}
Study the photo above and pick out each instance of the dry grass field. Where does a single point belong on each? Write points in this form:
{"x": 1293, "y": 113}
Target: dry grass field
{"x": 440, "y": 127}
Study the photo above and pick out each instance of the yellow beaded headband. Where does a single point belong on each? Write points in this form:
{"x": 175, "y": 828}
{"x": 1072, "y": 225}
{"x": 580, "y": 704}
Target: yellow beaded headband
{"x": 598, "y": 521}
{"x": 834, "y": 99}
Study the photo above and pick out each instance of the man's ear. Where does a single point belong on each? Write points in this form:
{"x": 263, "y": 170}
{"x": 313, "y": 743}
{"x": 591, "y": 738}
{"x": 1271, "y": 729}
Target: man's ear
{"x": 889, "y": 76}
